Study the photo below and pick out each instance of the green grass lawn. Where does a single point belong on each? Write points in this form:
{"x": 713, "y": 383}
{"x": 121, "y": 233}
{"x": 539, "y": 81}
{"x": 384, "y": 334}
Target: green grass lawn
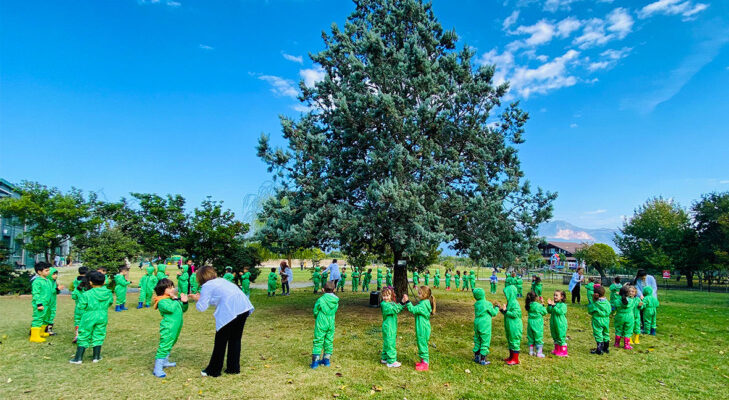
{"x": 688, "y": 359}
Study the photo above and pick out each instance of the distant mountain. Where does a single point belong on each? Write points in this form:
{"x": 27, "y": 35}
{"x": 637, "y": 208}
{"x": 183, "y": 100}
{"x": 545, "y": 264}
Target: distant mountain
{"x": 566, "y": 232}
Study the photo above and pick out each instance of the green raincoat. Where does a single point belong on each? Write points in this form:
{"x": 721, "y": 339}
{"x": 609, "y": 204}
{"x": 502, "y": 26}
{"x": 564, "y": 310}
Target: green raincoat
{"x": 422, "y": 326}
{"x": 388, "y": 278}
{"x": 325, "y": 310}
{"x": 183, "y": 281}
{"x": 161, "y": 273}
{"x": 316, "y": 278}
{"x": 170, "y": 325}
{"x": 535, "y": 324}
{"x": 558, "y": 323}
{"x": 245, "y": 283}
{"x": 483, "y": 312}
{"x": 366, "y": 279}
{"x": 512, "y": 319}
{"x": 150, "y": 284}
{"x": 95, "y": 304}
{"x": 272, "y": 282}
{"x": 519, "y": 286}
{"x": 120, "y": 289}
{"x": 41, "y": 296}
{"x": 600, "y": 311}
{"x": 448, "y": 280}
{"x": 379, "y": 279}
{"x": 436, "y": 280}
{"x": 590, "y": 287}
{"x": 650, "y": 304}
{"x": 624, "y": 318}
{"x": 355, "y": 280}
{"x": 53, "y": 292}
{"x": 390, "y": 309}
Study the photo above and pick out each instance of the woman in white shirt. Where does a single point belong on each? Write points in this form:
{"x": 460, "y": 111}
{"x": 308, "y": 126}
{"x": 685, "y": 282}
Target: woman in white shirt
{"x": 232, "y": 308}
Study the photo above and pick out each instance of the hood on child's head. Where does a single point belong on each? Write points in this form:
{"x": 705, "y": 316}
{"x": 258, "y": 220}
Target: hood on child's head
{"x": 647, "y": 291}
{"x": 161, "y": 268}
{"x": 185, "y": 268}
{"x": 52, "y": 271}
{"x": 150, "y": 269}
{"x": 510, "y": 292}
{"x": 478, "y": 294}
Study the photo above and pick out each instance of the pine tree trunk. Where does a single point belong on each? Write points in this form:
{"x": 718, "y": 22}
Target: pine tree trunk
{"x": 400, "y": 278}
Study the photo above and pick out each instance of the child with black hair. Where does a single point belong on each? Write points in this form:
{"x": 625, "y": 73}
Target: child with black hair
{"x": 535, "y": 324}
{"x": 229, "y": 274}
{"x": 325, "y": 310}
{"x": 366, "y": 279}
{"x": 457, "y": 278}
{"x": 590, "y": 287}
{"x": 103, "y": 271}
{"x": 615, "y": 293}
{"x": 557, "y": 309}
{"x": 78, "y": 287}
{"x": 171, "y": 309}
{"x": 600, "y": 309}
{"x": 272, "y": 282}
{"x": 95, "y": 303}
{"x": 624, "y": 319}
{"x": 342, "y": 280}
{"x": 120, "y": 288}
{"x": 537, "y": 287}
{"x": 41, "y": 297}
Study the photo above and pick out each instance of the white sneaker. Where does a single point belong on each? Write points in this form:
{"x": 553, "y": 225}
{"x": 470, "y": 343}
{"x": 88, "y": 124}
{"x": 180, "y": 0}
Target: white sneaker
{"x": 396, "y": 364}
{"x": 383, "y": 362}
{"x": 203, "y": 373}
{"x": 96, "y": 360}
{"x": 75, "y": 362}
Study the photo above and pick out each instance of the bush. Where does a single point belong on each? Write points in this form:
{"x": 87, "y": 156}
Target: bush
{"x": 13, "y": 281}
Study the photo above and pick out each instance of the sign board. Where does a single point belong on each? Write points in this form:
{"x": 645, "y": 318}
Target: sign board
{"x": 666, "y": 274}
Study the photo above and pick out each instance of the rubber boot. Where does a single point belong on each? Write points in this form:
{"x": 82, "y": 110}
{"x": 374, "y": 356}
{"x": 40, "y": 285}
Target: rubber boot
{"x": 477, "y": 357}
{"x": 78, "y": 358}
{"x": 167, "y": 363}
{"x": 511, "y": 355}
{"x": 514, "y": 360}
{"x": 531, "y": 350}
{"x": 484, "y": 361}
{"x": 158, "y": 365}
{"x": 555, "y": 349}
{"x": 422, "y": 366}
{"x": 124, "y": 307}
{"x": 117, "y": 308}
{"x": 49, "y": 330}
{"x": 626, "y": 344}
{"x": 314, "y": 361}
{"x": 35, "y": 336}
{"x": 146, "y": 306}
{"x": 637, "y": 339}
{"x": 630, "y": 339}
{"x": 97, "y": 354}
{"x": 140, "y": 305}
{"x": 540, "y": 347}
{"x": 606, "y": 347}
{"x": 563, "y": 351}
{"x": 597, "y": 350}
{"x": 618, "y": 340}
{"x": 653, "y": 332}
{"x": 43, "y": 332}
{"x": 325, "y": 362}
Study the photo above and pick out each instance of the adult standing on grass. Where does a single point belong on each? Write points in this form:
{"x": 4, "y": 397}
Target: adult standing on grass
{"x": 641, "y": 281}
{"x": 287, "y": 277}
{"x": 575, "y": 283}
{"x": 232, "y": 308}
{"x": 333, "y": 271}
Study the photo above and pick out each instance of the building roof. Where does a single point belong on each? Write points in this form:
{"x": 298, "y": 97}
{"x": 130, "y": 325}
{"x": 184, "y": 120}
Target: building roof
{"x": 570, "y": 247}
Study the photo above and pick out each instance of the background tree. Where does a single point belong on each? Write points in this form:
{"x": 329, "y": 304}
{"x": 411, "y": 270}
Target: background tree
{"x": 51, "y": 217}
{"x": 157, "y": 224}
{"x": 659, "y": 236}
{"x": 403, "y": 149}
{"x": 213, "y": 234}
{"x": 711, "y": 222}
{"x": 599, "y": 256}
{"x": 284, "y": 227}
{"x": 108, "y": 248}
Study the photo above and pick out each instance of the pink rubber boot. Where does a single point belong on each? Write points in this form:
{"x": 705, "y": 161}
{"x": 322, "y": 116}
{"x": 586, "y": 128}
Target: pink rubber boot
{"x": 626, "y": 344}
{"x": 617, "y": 341}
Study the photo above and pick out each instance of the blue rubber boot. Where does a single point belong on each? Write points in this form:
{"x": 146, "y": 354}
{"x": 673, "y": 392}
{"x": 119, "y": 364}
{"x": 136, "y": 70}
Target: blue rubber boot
{"x": 124, "y": 307}
{"x": 167, "y": 363}
{"x": 653, "y": 331}
{"x": 325, "y": 362}
{"x": 314, "y": 361}
{"x": 140, "y": 305}
{"x": 117, "y": 309}
{"x": 158, "y": 365}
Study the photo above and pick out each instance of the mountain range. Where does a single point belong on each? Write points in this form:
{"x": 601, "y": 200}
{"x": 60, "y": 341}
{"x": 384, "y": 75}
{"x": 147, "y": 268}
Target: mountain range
{"x": 564, "y": 231}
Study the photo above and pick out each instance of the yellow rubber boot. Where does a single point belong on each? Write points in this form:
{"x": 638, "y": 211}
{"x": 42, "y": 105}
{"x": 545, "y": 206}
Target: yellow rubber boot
{"x": 637, "y": 338}
{"x": 35, "y": 335}
{"x": 630, "y": 339}
{"x": 43, "y": 332}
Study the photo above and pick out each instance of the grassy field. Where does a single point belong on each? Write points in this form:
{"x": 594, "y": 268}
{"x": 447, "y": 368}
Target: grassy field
{"x": 688, "y": 359}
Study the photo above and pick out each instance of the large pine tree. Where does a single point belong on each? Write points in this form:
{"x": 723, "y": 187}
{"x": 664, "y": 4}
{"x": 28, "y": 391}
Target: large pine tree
{"x": 400, "y": 151}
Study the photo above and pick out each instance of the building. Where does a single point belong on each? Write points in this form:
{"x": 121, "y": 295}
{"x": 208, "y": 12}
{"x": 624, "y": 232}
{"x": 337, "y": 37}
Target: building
{"x": 10, "y": 231}
{"x": 568, "y": 249}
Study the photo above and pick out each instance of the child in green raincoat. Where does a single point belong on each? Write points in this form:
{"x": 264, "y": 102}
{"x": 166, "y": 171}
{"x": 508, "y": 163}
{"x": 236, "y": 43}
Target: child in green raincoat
{"x": 590, "y": 287}
{"x": 638, "y": 305}
{"x": 535, "y": 324}
{"x": 472, "y": 278}
{"x": 600, "y": 309}
{"x": 245, "y": 281}
{"x": 120, "y": 288}
{"x": 436, "y": 279}
{"x": 537, "y": 286}
{"x": 229, "y": 274}
{"x": 146, "y": 287}
{"x": 448, "y": 279}
{"x": 416, "y": 278}
{"x": 388, "y": 277}
{"x": 519, "y": 286}
{"x": 79, "y": 285}
{"x": 512, "y": 324}
{"x": 325, "y": 310}
{"x": 161, "y": 274}
{"x": 557, "y": 309}
{"x": 183, "y": 279}
{"x": 171, "y": 309}
{"x": 457, "y": 278}
{"x": 324, "y": 278}
{"x": 624, "y": 319}
{"x": 510, "y": 279}
{"x": 366, "y": 279}
{"x": 316, "y": 279}
{"x": 95, "y": 304}
{"x": 379, "y": 279}
{"x": 40, "y": 300}
{"x": 272, "y": 282}
{"x": 422, "y": 312}
{"x": 342, "y": 280}
{"x": 390, "y": 309}
{"x": 466, "y": 281}
{"x": 483, "y": 312}
{"x": 55, "y": 288}
{"x": 615, "y": 293}
{"x": 650, "y": 305}
{"x": 426, "y": 277}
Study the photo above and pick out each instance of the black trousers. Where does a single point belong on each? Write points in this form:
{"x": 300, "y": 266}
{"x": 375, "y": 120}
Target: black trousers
{"x": 228, "y": 336}
{"x": 576, "y": 294}
{"x": 285, "y": 287}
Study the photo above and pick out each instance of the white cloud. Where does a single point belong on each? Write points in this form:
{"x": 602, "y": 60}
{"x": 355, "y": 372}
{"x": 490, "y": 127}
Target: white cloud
{"x": 610, "y": 59}
{"x": 621, "y": 23}
{"x": 573, "y": 125}
{"x": 595, "y": 212}
{"x": 504, "y": 63}
{"x": 206, "y": 47}
{"x": 555, "y": 5}
{"x": 539, "y": 33}
{"x": 281, "y": 86}
{"x": 593, "y": 34}
{"x": 547, "y": 77}
{"x": 510, "y": 20}
{"x": 296, "y": 59}
{"x": 312, "y": 76}
{"x": 169, "y": 3}
{"x": 174, "y": 3}
{"x": 686, "y": 8}
{"x": 724, "y": 182}
{"x": 567, "y": 26}
{"x": 598, "y": 65}
{"x": 302, "y": 108}
{"x": 613, "y": 54}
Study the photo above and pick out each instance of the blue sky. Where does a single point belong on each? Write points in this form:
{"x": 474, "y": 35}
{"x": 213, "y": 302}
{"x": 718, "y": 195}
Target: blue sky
{"x": 628, "y": 99}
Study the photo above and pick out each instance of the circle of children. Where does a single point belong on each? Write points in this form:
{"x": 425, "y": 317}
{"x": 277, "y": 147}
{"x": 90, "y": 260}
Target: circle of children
{"x": 93, "y": 298}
